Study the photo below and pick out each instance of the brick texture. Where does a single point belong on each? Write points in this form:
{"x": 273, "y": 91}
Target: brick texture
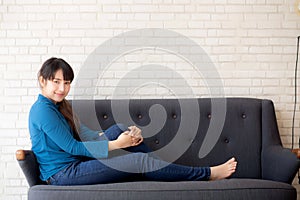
{"x": 251, "y": 44}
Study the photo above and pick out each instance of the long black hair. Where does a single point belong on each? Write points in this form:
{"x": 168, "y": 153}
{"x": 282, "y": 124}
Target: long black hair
{"x": 47, "y": 72}
{"x": 52, "y": 65}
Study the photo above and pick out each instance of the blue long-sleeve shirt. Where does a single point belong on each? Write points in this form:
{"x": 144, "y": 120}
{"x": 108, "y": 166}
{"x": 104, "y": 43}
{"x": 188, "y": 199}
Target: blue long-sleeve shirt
{"x": 53, "y": 142}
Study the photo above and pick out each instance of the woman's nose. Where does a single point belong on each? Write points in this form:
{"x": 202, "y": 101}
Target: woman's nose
{"x": 61, "y": 87}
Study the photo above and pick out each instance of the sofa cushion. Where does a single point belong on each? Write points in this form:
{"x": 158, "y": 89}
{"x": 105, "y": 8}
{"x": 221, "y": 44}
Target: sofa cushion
{"x": 218, "y": 190}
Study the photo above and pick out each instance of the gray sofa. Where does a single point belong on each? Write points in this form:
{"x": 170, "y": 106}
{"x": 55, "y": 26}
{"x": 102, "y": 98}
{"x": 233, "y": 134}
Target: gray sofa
{"x": 208, "y": 130}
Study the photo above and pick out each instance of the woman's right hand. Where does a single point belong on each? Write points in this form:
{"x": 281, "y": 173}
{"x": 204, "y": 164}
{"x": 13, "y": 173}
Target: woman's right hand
{"x": 123, "y": 141}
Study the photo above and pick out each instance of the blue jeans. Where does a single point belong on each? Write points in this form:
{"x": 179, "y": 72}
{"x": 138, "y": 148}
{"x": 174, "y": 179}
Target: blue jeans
{"x": 127, "y": 167}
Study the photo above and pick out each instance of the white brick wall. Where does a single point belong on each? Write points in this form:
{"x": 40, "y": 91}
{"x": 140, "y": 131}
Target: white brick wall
{"x": 252, "y": 44}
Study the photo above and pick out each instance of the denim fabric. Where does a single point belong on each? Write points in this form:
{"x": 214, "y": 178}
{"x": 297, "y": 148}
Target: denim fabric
{"x": 127, "y": 167}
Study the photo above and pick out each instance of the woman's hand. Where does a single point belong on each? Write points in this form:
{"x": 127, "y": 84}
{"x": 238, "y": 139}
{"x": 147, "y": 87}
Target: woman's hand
{"x": 135, "y": 132}
{"x": 126, "y": 139}
{"x": 136, "y": 141}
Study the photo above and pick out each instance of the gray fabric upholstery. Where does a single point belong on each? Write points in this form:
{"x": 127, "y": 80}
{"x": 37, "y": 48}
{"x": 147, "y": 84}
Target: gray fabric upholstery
{"x": 30, "y": 168}
{"x": 218, "y": 190}
{"x": 250, "y": 134}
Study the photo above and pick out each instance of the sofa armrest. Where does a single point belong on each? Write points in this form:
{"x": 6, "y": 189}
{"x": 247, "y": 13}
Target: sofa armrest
{"x": 296, "y": 152}
{"x": 279, "y": 164}
{"x": 21, "y": 154}
{"x": 29, "y": 166}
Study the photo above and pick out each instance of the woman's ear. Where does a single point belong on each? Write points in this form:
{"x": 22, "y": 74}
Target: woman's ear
{"x": 42, "y": 81}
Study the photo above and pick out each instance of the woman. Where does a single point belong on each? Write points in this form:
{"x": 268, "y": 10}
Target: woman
{"x": 71, "y": 154}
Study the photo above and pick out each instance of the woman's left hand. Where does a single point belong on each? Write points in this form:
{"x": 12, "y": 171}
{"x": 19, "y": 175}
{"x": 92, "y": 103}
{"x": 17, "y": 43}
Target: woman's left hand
{"x": 136, "y": 134}
{"x": 136, "y": 141}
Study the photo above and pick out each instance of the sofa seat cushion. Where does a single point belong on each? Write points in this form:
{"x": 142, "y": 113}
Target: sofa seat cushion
{"x": 223, "y": 189}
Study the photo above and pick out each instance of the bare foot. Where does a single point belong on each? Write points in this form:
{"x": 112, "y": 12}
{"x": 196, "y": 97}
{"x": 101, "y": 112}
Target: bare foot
{"x": 224, "y": 170}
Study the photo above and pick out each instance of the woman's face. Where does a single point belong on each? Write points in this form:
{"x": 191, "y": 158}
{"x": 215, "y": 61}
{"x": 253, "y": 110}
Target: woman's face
{"x": 56, "y": 89}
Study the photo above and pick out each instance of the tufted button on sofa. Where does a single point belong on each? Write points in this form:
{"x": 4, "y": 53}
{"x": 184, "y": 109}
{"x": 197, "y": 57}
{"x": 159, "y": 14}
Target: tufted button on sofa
{"x": 194, "y": 132}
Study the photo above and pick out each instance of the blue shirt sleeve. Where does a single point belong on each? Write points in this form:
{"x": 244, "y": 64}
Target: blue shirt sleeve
{"x": 87, "y": 134}
{"x": 54, "y": 125}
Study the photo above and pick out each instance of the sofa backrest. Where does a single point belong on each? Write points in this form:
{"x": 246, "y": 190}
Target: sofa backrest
{"x": 196, "y": 132}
